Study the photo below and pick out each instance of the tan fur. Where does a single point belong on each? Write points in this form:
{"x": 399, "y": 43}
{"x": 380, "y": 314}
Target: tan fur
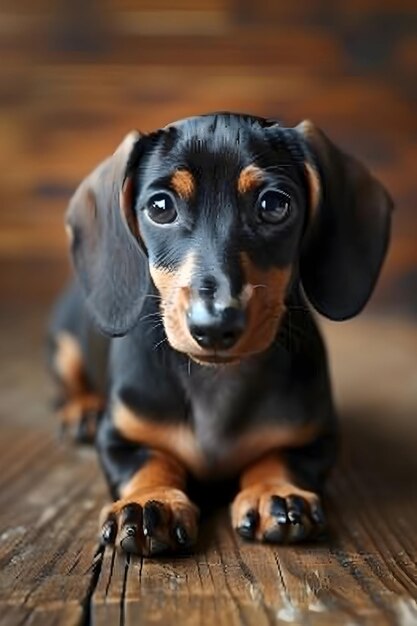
{"x": 174, "y": 288}
{"x": 264, "y": 294}
{"x": 249, "y": 178}
{"x": 314, "y": 187}
{"x": 126, "y": 206}
{"x": 176, "y": 439}
{"x": 161, "y": 470}
{"x": 182, "y": 181}
{"x": 74, "y": 408}
{"x": 70, "y": 234}
{"x": 68, "y": 362}
{"x": 69, "y": 366}
{"x": 180, "y": 441}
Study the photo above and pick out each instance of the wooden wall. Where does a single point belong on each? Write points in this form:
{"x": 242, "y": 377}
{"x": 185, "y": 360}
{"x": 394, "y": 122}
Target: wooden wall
{"x": 77, "y": 74}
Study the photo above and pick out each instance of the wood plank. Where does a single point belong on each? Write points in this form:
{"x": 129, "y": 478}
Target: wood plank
{"x": 50, "y": 492}
{"x": 49, "y": 502}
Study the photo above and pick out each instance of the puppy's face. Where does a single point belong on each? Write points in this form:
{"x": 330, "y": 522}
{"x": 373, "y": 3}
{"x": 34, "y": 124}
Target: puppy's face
{"x": 214, "y": 209}
{"x": 220, "y": 209}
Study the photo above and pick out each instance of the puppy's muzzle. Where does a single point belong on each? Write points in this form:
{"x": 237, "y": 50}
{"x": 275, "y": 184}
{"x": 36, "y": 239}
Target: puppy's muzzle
{"x": 215, "y": 326}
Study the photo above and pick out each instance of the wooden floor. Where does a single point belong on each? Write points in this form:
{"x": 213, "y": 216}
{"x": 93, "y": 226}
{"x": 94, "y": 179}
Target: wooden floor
{"x": 364, "y": 573}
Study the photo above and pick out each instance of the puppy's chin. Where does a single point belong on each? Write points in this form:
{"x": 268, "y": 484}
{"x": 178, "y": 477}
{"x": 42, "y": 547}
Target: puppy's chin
{"x": 213, "y": 360}
{"x": 210, "y": 359}
{"x": 234, "y": 358}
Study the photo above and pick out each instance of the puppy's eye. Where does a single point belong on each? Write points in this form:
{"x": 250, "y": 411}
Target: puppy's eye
{"x": 274, "y": 206}
{"x": 161, "y": 209}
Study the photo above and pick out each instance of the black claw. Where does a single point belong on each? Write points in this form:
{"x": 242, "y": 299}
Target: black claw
{"x": 317, "y": 514}
{"x": 181, "y": 535}
{"x": 152, "y": 517}
{"x": 296, "y": 509}
{"x": 130, "y": 531}
{"x": 131, "y": 528}
{"x": 248, "y": 524}
{"x": 109, "y": 530}
{"x": 278, "y": 509}
{"x": 130, "y": 544}
{"x": 131, "y": 515}
{"x": 319, "y": 521}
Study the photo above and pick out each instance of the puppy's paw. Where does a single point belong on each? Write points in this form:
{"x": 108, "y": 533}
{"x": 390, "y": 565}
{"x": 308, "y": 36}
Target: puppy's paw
{"x": 151, "y": 522}
{"x": 279, "y": 513}
{"x": 79, "y": 417}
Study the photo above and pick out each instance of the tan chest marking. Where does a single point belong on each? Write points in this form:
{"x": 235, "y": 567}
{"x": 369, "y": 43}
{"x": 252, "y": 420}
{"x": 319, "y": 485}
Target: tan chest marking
{"x": 180, "y": 441}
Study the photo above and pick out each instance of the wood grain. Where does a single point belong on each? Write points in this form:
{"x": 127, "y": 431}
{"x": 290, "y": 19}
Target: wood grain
{"x": 364, "y": 573}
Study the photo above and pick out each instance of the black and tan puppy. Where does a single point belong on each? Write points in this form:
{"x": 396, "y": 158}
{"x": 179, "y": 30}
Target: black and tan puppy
{"x": 194, "y": 245}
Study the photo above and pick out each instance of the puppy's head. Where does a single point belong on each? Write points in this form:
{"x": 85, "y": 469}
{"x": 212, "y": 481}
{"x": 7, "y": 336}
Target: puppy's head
{"x": 223, "y": 213}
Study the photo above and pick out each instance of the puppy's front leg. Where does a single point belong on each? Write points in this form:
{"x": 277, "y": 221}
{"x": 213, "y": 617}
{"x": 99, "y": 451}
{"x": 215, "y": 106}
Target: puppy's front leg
{"x": 272, "y": 507}
{"x": 152, "y": 514}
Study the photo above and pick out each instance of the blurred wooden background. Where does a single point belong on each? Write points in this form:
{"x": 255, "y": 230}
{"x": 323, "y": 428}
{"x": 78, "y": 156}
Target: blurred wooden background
{"x": 77, "y": 74}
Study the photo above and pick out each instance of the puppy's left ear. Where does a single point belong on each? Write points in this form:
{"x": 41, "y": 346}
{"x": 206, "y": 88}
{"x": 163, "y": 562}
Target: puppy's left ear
{"x": 349, "y": 231}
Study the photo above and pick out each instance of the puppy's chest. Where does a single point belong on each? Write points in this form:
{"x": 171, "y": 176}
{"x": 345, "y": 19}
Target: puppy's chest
{"x": 216, "y": 421}
{"x": 220, "y": 421}
{"x": 231, "y": 422}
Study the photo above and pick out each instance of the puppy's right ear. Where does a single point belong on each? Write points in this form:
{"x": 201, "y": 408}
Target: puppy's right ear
{"x": 105, "y": 246}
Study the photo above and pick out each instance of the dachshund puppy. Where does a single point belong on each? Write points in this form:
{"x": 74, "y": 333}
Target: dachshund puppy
{"x": 198, "y": 247}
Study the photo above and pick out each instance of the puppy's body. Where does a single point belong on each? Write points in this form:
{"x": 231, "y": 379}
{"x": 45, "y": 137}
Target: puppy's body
{"x": 221, "y": 372}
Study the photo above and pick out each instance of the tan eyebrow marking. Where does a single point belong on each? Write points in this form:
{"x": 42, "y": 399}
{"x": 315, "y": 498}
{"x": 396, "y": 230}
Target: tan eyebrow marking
{"x": 183, "y": 183}
{"x": 249, "y": 178}
{"x": 314, "y": 187}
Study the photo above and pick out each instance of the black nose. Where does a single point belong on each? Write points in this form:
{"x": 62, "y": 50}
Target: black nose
{"x": 215, "y": 328}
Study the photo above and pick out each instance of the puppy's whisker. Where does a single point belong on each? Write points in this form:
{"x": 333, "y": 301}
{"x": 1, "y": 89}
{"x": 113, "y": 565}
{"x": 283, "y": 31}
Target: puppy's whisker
{"x": 150, "y": 315}
{"x": 151, "y": 295}
{"x": 157, "y": 345}
{"x": 158, "y": 324}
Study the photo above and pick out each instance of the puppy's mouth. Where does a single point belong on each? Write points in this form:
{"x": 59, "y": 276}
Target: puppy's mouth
{"x": 214, "y": 359}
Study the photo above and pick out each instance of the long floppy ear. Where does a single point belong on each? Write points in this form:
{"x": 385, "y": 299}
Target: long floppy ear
{"x": 108, "y": 257}
{"x": 349, "y": 231}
